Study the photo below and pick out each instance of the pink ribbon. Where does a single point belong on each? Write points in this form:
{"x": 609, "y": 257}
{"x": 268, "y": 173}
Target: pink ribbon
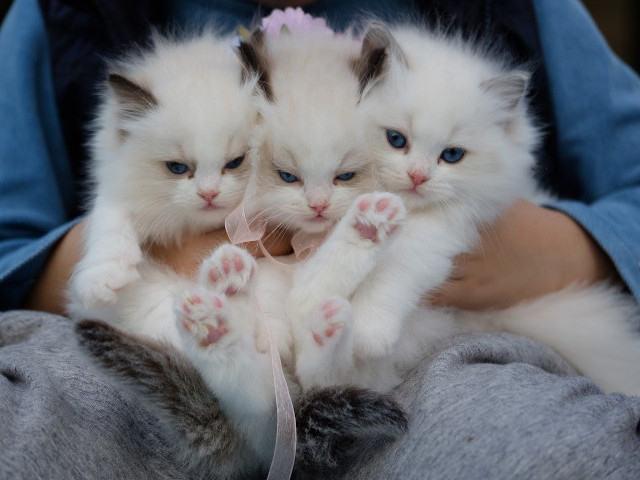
{"x": 284, "y": 453}
{"x": 241, "y": 230}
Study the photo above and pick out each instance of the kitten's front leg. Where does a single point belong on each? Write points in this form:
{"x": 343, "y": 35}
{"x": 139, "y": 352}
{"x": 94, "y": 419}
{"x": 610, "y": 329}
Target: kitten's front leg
{"x": 324, "y": 350}
{"x": 349, "y": 254}
{"x": 218, "y": 322}
{"x": 112, "y": 254}
{"x": 421, "y": 260}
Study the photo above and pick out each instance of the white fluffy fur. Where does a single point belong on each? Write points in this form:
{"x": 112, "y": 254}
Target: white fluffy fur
{"x": 202, "y": 117}
{"x": 440, "y": 93}
{"x": 313, "y": 130}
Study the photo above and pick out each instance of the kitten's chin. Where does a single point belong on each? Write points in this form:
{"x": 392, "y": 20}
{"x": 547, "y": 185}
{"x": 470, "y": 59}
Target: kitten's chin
{"x": 209, "y": 208}
{"x": 316, "y": 224}
{"x": 209, "y": 217}
{"x": 415, "y": 198}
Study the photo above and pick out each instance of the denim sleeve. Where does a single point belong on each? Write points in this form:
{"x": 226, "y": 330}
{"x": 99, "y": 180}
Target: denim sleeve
{"x": 597, "y": 106}
{"x": 35, "y": 175}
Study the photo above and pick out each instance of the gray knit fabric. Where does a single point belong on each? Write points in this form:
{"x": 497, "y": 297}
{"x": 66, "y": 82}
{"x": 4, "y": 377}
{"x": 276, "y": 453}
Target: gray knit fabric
{"x": 61, "y": 419}
{"x": 485, "y": 407}
{"x": 503, "y": 407}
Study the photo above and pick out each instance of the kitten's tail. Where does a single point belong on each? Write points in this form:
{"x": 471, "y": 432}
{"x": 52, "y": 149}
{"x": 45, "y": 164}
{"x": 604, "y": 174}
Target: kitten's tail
{"x": 335, "y": 425}
{"x": 174, "y": 389}
{"x": 595, "y": 328}
{"x": 338, "y": 425}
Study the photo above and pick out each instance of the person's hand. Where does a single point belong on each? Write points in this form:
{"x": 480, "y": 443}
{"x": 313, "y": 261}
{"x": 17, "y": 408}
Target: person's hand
{"x": 187, "y": 257}
{"x": 48, "y": 291}
{"x": 529, "y": 252}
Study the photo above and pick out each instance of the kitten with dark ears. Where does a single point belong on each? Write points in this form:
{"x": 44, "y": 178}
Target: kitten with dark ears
{"x": 168, "y": 160}
{"x": 455, "y": 143}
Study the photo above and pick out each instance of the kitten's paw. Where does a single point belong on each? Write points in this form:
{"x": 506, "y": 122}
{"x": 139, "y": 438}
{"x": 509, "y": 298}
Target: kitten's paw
{"x": 99, "y": 284}
{"x": 230, "y": 270}
{"x": 378, "y": 215}
{"x": 329, "y": 321}
{"x": 204, "y": 319}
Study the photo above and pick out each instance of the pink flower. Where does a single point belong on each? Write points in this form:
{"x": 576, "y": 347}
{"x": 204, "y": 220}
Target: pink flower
{"x": 295, "y": 20}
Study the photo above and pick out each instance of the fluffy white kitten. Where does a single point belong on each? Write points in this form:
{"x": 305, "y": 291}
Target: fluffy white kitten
{"x": 454, "y": 141}
{"x": 310, "y": 165}
{"x": 437, "y": 101}
{"x": 168, "y": 160}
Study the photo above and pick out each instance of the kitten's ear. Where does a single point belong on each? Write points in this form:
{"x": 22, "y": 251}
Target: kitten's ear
{"x": 252, "y": 56}
{"x": 379, "y": 50}
{"x": 135, "y": 101}
{"x": 510, "y": 88}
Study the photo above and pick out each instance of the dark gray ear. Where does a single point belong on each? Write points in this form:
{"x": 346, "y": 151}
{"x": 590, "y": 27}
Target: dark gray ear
{"x": 379, "y": 50}
{"x": 511, "y": 88}
{"x": 135, "y": 101}
{"x": 252, "y": 56}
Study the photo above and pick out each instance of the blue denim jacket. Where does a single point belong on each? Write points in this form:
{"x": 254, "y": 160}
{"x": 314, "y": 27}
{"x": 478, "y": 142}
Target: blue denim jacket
{"x": 596, "y": 102}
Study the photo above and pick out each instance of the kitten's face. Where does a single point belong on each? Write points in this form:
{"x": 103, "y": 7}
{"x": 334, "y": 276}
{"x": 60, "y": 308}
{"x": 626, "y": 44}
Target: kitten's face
{"x": 180, "y": 131}
{"x": 452, "y": 135}
{"x": 308, "y": 175}
{"x": 310, "y": 161}
{"x": 190, "y": 165}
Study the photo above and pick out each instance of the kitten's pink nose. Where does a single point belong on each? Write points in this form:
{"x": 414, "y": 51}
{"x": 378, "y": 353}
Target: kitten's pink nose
{"x": 319, "y": 207}
{"x": 208, "y": 195}
{"x": 418, "y": 178}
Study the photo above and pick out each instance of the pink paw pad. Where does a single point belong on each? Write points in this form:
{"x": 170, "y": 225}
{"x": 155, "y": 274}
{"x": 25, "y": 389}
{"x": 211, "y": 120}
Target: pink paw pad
{"x": 382, "y": 204}
{"x": 378, "y": 216}
{"x": 332, "y": 321}
{"x": 203, "y": 318}
{"x": 364, "y": 205}
{"x": 368, "y": 232}
{"x": 214, "y": 332}
{"x": 229, "y": 270}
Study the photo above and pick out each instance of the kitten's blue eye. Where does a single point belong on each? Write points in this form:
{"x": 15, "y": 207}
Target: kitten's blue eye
{"x": 177, "y": 168}
{"x": 287, "y": 177}
{"x": 346, "y": 176}
{"x": 452, "y": 155}
{"x": 396, "y": 139}
{"x": 235, "y": 163}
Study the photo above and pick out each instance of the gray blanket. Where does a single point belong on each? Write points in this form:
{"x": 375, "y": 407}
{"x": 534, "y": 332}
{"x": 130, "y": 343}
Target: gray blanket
{"x": 485, "y": 407}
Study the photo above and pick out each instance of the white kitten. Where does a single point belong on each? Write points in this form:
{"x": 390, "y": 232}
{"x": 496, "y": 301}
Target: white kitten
{"x": 168, "y": 159}
{"x": 454, "y": 141}
{"x": 427, "y": 111}
{"x": 310, "y": 167}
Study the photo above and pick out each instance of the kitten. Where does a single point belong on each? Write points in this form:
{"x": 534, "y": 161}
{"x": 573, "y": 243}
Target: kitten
{"x": 455, "y": 143}
{"x": 308, "y": 170}
{"x": 309, "y": 167}
{"x": 168, "y": 160}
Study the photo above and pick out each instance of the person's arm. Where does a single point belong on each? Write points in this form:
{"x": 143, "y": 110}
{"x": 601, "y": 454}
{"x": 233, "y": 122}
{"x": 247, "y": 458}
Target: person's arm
{"x": 36, "y": 183}
{"x": 594, "y": 234}
{"x": 48, "y": 291}
{"x": 186, "y": 258}
{"x": 529, "y": 252}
